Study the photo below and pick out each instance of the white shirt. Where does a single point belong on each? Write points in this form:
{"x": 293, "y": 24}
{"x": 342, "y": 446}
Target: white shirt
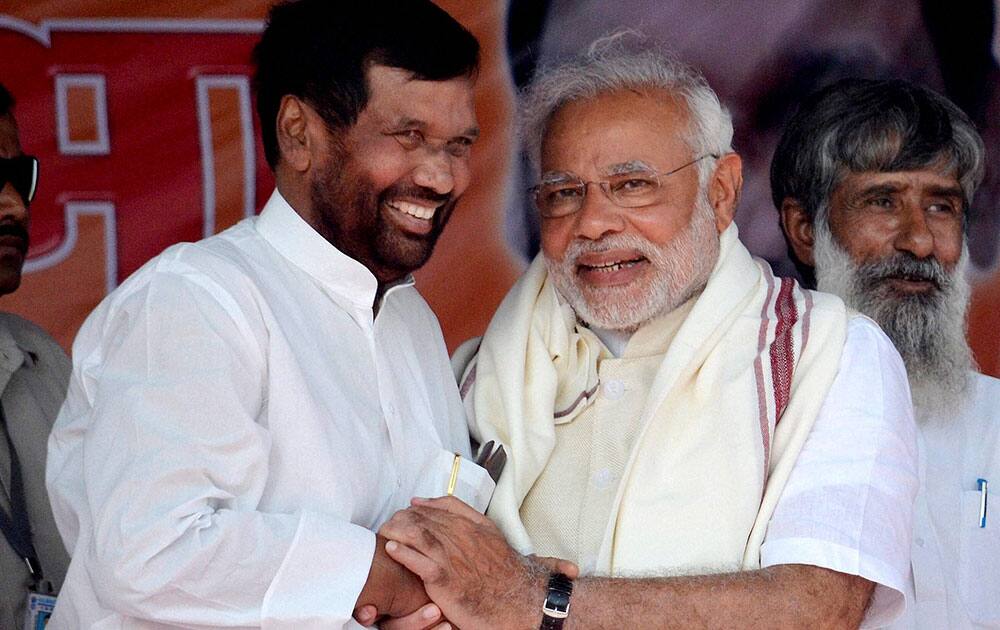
{"x": 237, "y": 426}
{"x": 956, "y": 563}
{"x": 848, "y": 502}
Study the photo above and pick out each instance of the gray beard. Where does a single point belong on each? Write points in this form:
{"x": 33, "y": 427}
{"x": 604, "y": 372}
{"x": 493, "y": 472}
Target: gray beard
{"x": 680, "y": 269}
{"x": 928, "y": 330}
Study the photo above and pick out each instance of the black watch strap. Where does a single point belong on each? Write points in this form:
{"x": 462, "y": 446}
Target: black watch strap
{"x": 556, "y": 606}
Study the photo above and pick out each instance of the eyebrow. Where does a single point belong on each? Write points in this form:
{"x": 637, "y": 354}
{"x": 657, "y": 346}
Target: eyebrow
{"x": 890, "y": 188}
{"x": 631, "y": 166}
{"x": 557, "y": 177}
{"x": 946, "y": 191}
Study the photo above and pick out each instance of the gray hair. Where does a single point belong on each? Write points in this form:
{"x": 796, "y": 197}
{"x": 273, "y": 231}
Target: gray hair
{"x": 608, "y": 66}
{"x": 859, "y": 125}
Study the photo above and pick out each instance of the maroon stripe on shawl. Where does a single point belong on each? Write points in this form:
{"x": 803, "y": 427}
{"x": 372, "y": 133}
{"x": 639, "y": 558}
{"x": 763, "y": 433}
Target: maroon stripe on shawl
{"x": 783, "y": 347}
{"x": 576, "y": 403}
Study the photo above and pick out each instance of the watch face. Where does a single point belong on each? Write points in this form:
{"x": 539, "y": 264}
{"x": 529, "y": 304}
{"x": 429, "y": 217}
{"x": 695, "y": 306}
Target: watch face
{"x": 557, "y": 603}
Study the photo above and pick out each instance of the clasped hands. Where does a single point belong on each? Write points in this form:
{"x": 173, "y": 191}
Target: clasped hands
{"x": 454, "y": 564}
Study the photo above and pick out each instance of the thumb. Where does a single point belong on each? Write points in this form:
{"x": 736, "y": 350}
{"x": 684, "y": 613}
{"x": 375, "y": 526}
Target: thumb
{"x": 558, "y": 565}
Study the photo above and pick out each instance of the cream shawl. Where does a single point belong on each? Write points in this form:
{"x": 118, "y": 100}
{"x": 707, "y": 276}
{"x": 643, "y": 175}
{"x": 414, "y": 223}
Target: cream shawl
{"x": 730, "y": 407}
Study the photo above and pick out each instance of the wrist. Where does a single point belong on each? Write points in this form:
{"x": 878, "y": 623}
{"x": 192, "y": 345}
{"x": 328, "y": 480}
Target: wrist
{"x": 556, "y": 605}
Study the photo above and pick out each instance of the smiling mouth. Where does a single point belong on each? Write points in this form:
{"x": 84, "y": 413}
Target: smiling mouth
{"x": 610, "y": 267}
{"x": 425, "y": 213}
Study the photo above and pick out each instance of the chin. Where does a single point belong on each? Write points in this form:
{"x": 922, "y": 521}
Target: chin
{"x": 405, "y": 253}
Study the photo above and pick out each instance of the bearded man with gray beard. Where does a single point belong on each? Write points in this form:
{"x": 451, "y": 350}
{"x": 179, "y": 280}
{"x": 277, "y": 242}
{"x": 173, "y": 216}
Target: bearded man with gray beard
{"x": 874, "y": 180}
{"x": 680, "y": 423}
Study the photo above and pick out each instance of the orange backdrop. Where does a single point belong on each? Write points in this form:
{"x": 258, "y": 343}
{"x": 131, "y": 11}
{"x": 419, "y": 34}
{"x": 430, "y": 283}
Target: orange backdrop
{"x": 140, "y": 113}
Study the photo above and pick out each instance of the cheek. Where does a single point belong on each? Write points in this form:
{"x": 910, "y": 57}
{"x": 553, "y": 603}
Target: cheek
{"x": 461, "y": 173}
{"x": 864, "y": 240}
{"x": 948, "y": 244}
{"x": 556, "y": 235}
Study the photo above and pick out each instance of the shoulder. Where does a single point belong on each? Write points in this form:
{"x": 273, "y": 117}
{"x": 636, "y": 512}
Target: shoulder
{"x": 985, "y": 394}
{"x": 215, "y": 277}
{"x": 30, "y": 336}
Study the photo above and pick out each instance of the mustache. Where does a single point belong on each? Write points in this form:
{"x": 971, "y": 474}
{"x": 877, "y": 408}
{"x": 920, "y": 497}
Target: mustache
{"x": 17, "y": 230}
{"x": 579, "y": 247}
{"x": 907, "y": 267}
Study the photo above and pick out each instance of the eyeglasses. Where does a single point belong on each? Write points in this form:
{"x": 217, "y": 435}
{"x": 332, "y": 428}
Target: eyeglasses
{"x": 563, "y": 194}
{"x": 22, "y": 173}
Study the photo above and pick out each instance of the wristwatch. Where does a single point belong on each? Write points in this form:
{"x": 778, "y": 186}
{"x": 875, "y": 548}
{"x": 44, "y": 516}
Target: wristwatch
{"x": 556, "y": 606}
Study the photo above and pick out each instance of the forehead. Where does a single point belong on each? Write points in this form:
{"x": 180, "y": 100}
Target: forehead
{"x": 614, "y": 128}
{"x": 446, "y": 107}
{"x": 9, "y": 144}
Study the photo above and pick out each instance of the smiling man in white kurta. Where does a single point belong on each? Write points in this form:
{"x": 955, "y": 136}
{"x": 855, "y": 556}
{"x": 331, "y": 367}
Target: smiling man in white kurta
{"x": 670, "y": 407}
{"x": 247, "y": 410}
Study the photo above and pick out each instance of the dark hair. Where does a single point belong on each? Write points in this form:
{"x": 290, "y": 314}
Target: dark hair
{"x": 319, "y": 50}
{"x": 6, "y": 101}
{"x": 858, "y": 125}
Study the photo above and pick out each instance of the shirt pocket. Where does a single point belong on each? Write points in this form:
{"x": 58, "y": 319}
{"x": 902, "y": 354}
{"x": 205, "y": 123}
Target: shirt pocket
{"x": 979, "y": 559}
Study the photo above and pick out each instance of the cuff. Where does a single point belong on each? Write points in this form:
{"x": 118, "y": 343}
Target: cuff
{"x": 888, "y": 601}
{"x": 321, "y": 577}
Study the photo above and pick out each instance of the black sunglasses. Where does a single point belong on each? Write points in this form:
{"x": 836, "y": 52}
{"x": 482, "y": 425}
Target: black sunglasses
{"x": 22, "y": 173}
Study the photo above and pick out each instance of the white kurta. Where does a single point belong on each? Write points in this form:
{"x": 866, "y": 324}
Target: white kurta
{"x": 956, "y": 563}
{"x": 237, "y": 426}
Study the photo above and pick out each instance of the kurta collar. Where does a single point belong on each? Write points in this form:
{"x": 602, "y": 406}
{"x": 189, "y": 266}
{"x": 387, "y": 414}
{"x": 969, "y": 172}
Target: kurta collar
{"x": 296, "y": 240}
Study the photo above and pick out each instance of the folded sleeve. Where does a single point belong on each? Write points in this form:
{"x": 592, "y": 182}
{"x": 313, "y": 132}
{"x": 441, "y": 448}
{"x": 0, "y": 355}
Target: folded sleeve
{"x": 175, "y": 462}
{"x": 848, "y": 503}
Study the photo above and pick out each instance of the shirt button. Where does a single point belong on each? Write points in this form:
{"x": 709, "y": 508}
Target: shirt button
{"x": 919, "y": 542}
{"x": 614, "y": 389}
{"x": 602, "y": 478}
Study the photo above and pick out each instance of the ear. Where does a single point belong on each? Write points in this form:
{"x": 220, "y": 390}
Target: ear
{"x": 295, "y": 139}
{"x": 724, "y": 189}
{"x": 798, "y": 229}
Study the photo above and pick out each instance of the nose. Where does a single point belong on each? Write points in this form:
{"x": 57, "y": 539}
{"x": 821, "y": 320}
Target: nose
{"x": 914, "y": 235}
{"x": 11, "y": 205}
{"x": 435, "y": 171}
{"x": 598, "y": 216}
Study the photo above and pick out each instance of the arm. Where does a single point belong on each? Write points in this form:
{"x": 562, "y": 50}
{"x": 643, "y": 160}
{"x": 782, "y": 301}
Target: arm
{"x": 176, "y": 461}
{"x": 786, "y": 596}
{"x": 479, "y": 581}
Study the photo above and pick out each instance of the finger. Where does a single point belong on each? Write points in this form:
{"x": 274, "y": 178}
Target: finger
{"x": 569, "y": 569}
{"x": 418, "y": 532}
{"x": 424, "y": 617}
{"x": 366, "y": 615}
{"x": 428, "y": 570}
{"x": 452, "y": 505}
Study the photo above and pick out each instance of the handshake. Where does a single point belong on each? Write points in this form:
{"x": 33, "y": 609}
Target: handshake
{"x": 441, "y": 559}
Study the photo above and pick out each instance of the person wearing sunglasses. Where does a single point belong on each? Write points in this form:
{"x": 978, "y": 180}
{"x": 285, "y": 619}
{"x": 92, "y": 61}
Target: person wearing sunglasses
{"x": 34, "y": 373}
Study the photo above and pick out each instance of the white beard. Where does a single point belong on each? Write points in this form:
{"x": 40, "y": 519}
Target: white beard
{"x": 928, "y": 330}
{"x": 680, "y": 269}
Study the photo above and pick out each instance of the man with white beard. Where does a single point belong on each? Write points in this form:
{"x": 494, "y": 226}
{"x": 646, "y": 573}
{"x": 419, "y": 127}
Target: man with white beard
{"x": 680, "y": 423}
{"x": 873, "y": 180}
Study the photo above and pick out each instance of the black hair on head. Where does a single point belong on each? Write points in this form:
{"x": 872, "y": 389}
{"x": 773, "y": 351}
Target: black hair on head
{"x": 320, "y": 50}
